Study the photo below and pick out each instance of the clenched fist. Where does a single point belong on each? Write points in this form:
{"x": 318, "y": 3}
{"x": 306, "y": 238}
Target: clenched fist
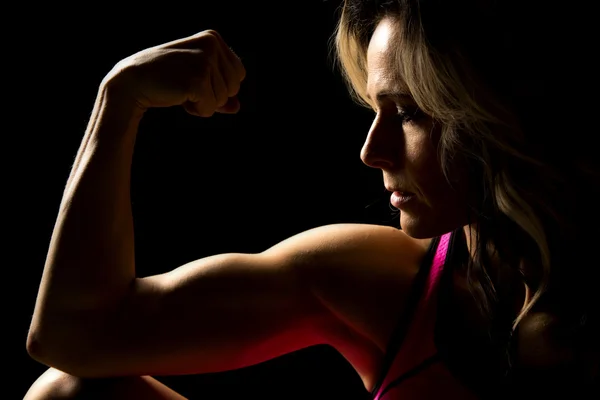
{"x": 199, "y": 72}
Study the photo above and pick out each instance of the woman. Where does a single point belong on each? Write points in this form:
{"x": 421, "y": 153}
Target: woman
{"x": 487, "y": 291}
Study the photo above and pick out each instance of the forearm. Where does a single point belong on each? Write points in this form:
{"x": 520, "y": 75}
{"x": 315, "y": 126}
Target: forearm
{"x": 90, "y": 263}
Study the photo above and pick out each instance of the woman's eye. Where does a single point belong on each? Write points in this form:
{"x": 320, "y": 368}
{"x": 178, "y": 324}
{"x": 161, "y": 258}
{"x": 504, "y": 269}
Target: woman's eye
{"x": 409, "y": 115}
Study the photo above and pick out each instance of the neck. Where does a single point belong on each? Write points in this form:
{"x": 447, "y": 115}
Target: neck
{"x": 522, "y": 292}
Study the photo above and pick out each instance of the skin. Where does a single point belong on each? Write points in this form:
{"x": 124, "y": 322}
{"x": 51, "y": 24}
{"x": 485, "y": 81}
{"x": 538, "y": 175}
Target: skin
{"x": 377, "y": 262}
{"x": 405, "y": 151}
{"x": 406, "y": 154}
{"x": 342, "y": 285}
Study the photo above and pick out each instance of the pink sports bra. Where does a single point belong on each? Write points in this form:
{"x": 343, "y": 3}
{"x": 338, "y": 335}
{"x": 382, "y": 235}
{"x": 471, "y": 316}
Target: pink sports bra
{"x": 412, "y": 366}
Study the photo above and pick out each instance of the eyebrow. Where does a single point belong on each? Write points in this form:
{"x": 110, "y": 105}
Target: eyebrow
{"x": 396, "y": 94}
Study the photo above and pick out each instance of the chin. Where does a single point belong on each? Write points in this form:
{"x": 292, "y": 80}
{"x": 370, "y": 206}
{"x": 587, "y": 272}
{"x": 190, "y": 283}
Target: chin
{"x": 426, "y": 227}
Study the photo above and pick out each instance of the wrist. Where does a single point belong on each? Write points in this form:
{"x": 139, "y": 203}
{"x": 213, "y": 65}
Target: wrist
{"x": 116, "y": 115}
{"x": 115, "y": 93}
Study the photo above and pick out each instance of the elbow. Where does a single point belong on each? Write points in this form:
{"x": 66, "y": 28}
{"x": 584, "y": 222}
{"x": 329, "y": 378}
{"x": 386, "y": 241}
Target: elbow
{"x": 33, "y": 347}
{"x": 63, "y": 354}
{"x": 75, "y": 342}
{"x": 37, "y": 347}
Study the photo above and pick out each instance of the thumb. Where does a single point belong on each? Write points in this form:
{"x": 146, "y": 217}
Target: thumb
{"x": 231, "y": 107}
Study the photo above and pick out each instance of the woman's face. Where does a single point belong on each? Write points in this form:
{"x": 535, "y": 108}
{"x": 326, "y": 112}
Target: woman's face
{"x": 402, "y": 142}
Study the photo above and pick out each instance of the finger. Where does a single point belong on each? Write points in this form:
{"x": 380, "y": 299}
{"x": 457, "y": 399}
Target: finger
{"x": 213, "y": 42}
{"x": 230, "y": 76}
{"x": 219, "y": 88}
{"x": 203, "y": 100}
{"x": 216, "y": 52}
{"x": 231, "y": 107}
{"x": 190, "y": 108}
{"x": 237, "y": 64}
{"x": 233, "y": 59}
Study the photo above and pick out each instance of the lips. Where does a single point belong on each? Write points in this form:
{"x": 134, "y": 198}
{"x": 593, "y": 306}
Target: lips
{"x": 399, "y": 191}
{"x": 401, "y": 199}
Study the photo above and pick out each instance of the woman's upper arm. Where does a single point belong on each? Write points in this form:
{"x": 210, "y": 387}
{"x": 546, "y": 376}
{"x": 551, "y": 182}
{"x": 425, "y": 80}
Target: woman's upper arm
{"x": 217, "y": 313}
{"x": 226, "y": 311}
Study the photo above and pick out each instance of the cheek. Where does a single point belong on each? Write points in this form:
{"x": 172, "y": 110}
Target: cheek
{"x": 451, "y": 193}
{"x": 437, "y": 192}
{"x": 425, "y": 170}
{"x": 424, "y": 167}
{"x": 433, "y": 185}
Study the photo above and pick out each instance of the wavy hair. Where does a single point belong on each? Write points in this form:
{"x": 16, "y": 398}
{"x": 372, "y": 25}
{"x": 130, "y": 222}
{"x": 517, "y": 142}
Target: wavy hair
{"x": 488, "y": 73}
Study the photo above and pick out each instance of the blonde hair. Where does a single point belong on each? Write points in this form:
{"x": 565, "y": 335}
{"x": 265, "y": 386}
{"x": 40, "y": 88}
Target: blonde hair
{"x": 521, "y": 189}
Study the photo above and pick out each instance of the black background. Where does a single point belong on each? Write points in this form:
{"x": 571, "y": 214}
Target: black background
{"x": 289, "y": 161}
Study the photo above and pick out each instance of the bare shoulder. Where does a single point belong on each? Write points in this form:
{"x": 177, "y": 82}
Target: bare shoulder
{"x": 340, "y": 243}
{"x": 361, "y": 272}
{"x": 552, "y": 358}
{"x": 545, "y": 341}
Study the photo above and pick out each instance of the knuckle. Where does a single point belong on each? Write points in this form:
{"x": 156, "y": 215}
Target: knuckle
{"x": 211, "y": 41}
{"x": 211, "y": 32}
{"x": 206, "y": 32}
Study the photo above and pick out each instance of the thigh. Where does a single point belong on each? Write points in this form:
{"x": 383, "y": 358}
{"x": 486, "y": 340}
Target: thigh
{"x": 54, "y": 385}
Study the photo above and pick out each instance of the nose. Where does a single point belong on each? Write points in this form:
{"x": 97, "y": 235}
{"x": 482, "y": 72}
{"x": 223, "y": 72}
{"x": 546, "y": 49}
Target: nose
{"x": 382, "y": 146}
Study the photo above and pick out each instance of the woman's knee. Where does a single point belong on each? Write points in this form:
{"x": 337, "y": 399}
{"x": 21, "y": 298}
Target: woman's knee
{"x": 54, "y": 385}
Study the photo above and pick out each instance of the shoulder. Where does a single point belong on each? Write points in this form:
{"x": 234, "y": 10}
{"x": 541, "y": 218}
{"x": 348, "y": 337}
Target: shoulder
{"x": 344, "y": 248}
{"x": 362, "y": 272}
{"x": 552, "y": 352}
{"x": 339, "y": 239}
{"x": 540, "y": 342}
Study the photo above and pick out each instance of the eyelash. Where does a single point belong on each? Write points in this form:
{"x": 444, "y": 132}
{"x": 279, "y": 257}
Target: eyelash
{"x": 408, "y": 116}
